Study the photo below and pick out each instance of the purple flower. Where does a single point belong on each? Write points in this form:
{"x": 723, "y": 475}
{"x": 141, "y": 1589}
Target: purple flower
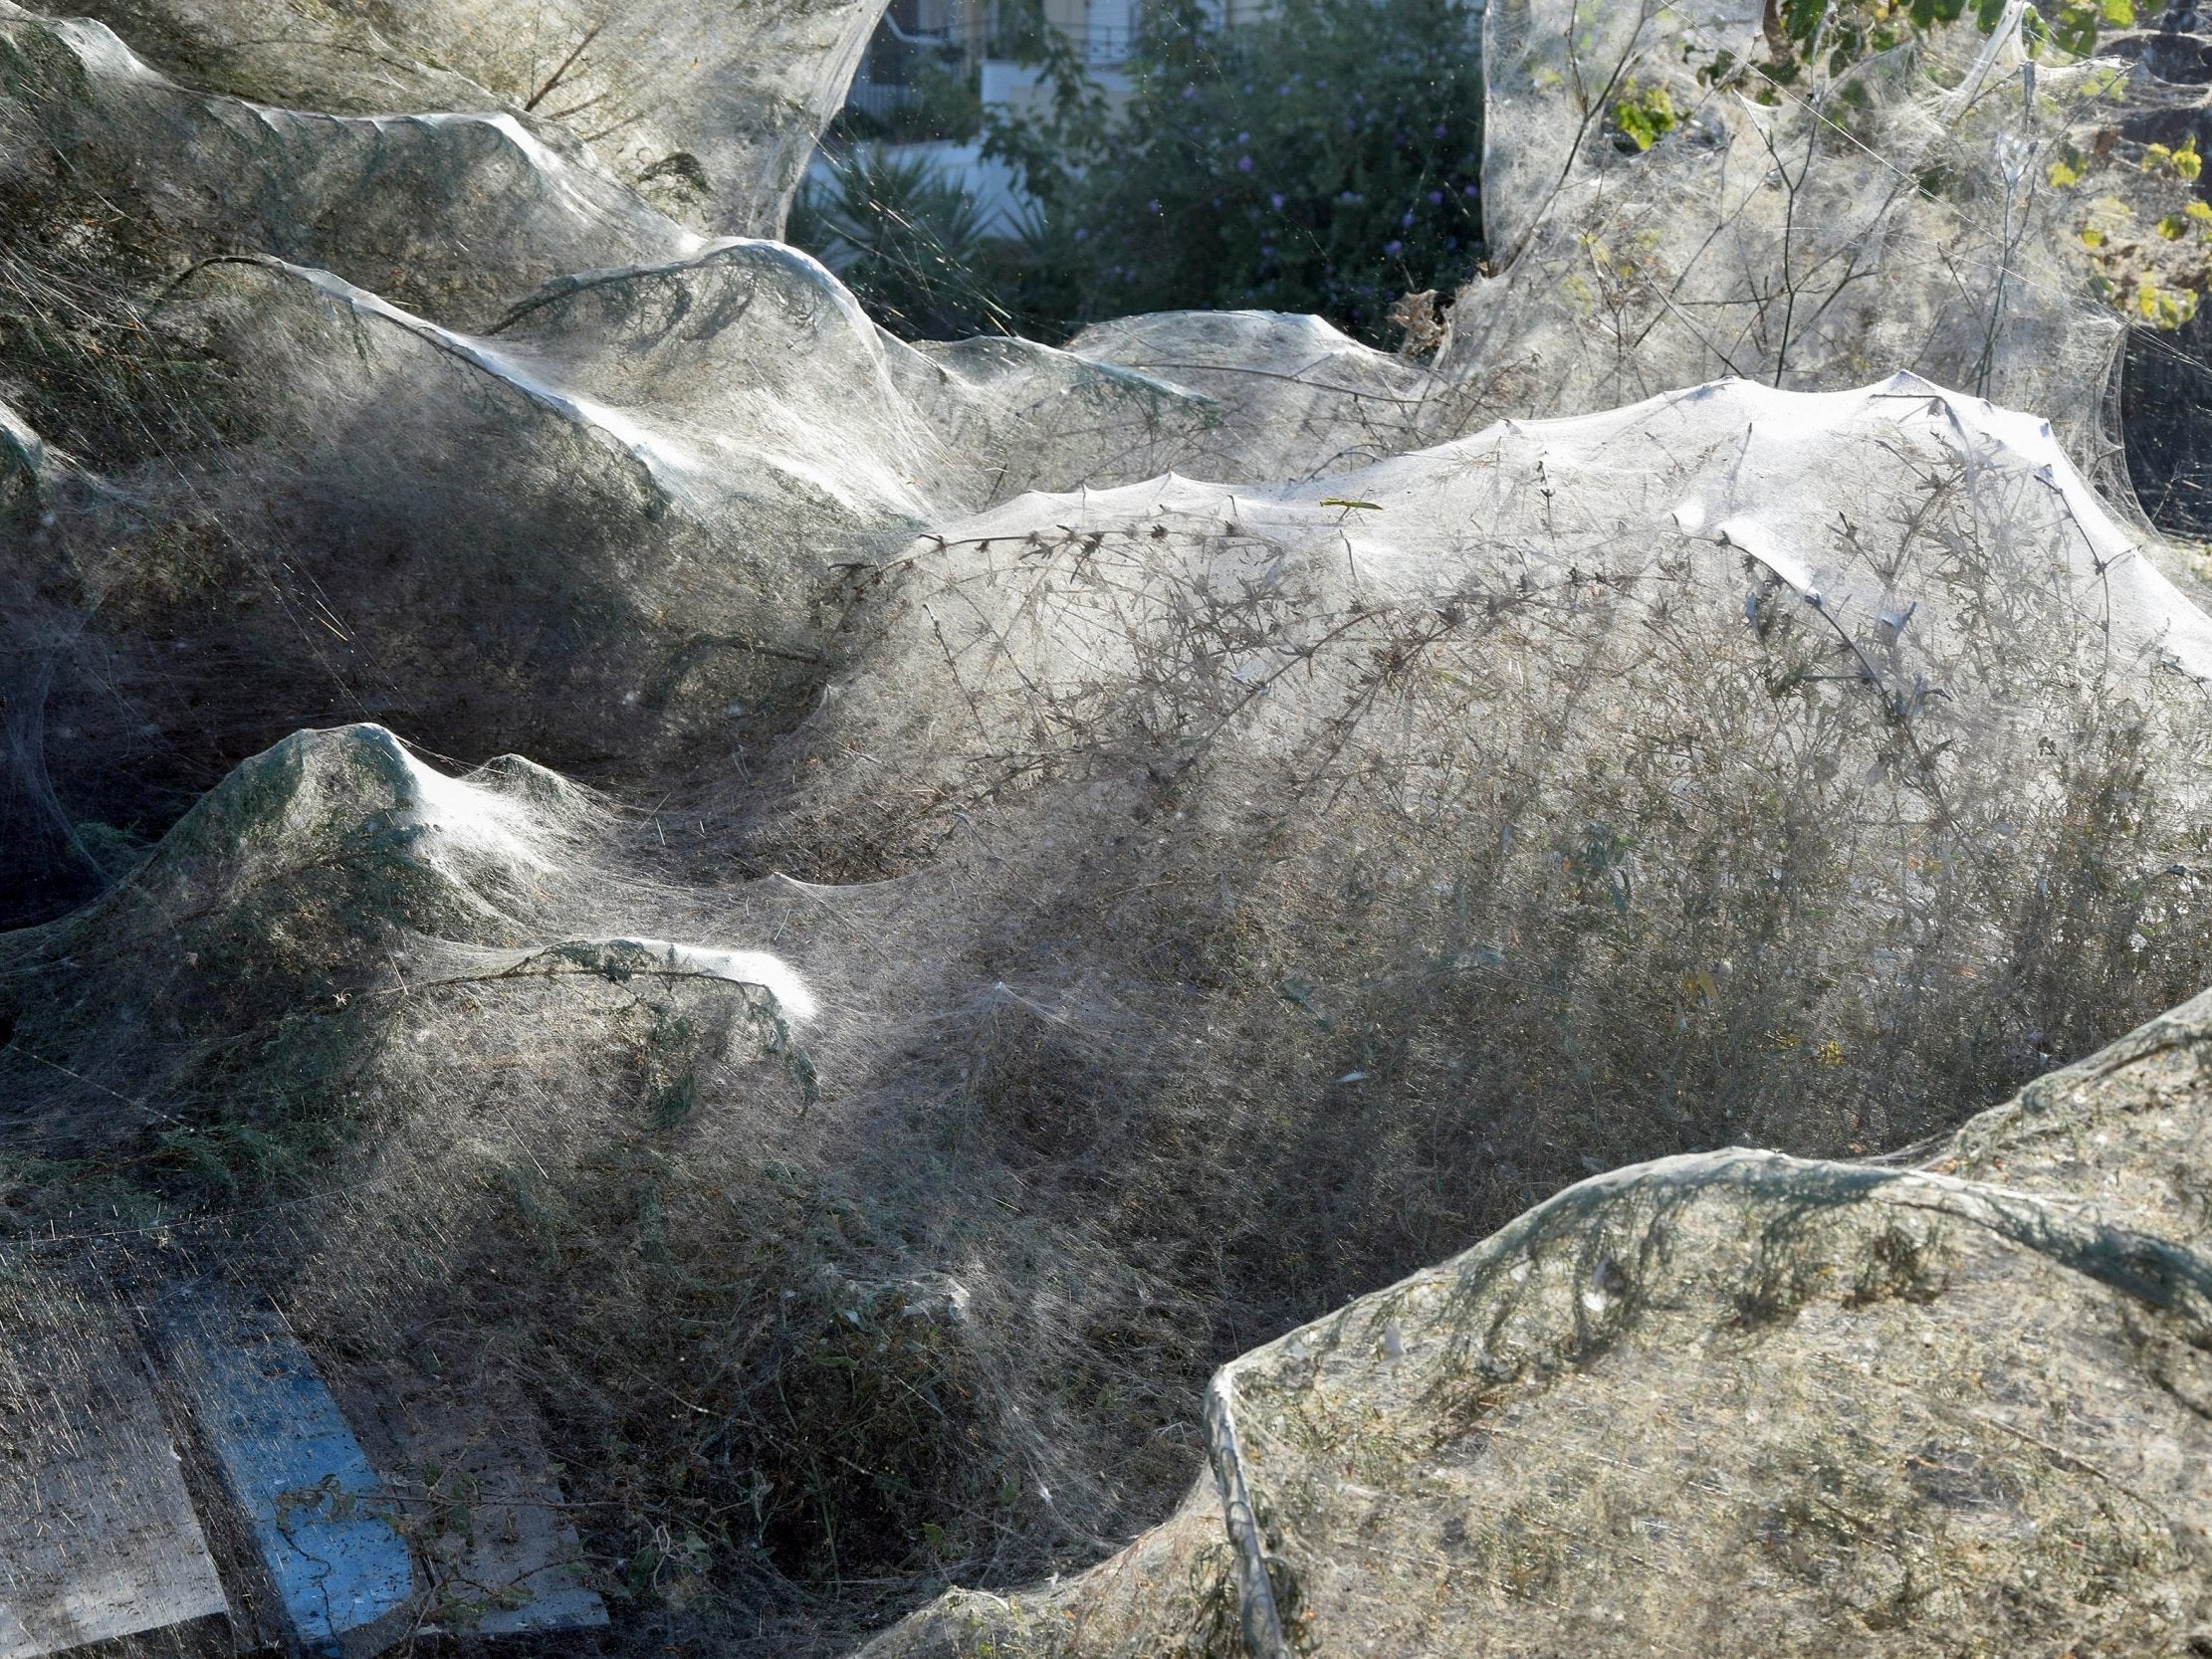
{"x": 1471, "y": 190}
{"x": 1244, "y": 138}
{"x": 1190, "y": 93}
{"x": 1283, "y": 90}
{"x": 1440, "y": 131}
{"x": 1243, "y": 164}
{"x": 1153, "y": 204}
{"x": 1275, "y": 201}
{"x": 1435, "y": 199}
{"x": 1394, "y": 247}
{"x": 1407, "y": 223}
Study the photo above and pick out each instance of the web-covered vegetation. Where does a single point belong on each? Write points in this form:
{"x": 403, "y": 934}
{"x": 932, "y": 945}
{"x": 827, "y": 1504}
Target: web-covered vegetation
{"x": 1532, "y": 851}
{"x": 1707, "y": 191}
{"x": 1045, "y": 925}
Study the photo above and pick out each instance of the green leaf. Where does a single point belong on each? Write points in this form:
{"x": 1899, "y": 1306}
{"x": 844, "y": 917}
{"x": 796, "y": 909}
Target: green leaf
{"x": 1645, "y": 117}
{"x": 2075, "y": 30}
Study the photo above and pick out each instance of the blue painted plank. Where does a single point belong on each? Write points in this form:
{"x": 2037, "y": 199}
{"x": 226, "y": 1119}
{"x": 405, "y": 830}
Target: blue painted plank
{"x": 470, "y": 1479}
{"x": 320, "y": 1517}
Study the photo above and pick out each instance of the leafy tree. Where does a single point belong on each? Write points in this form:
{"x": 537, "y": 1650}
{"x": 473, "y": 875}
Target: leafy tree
{"x": 1324, "y": 158}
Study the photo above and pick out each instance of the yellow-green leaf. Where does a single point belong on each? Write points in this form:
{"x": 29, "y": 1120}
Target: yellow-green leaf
{"x": 2108, "y": 219}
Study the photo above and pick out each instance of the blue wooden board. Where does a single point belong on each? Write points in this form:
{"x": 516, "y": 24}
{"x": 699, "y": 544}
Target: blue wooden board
{"x": 320, "y": 1518}
{"x": 476, "y": 1494}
